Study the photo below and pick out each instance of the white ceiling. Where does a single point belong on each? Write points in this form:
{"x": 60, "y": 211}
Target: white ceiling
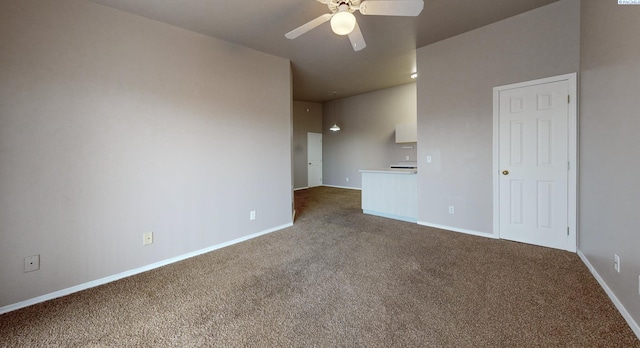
{"x": 323, "y": 62}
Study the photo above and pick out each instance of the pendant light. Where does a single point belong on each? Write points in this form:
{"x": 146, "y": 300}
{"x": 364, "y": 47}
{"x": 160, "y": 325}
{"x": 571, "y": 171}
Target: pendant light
{"x": 335, "y": 126}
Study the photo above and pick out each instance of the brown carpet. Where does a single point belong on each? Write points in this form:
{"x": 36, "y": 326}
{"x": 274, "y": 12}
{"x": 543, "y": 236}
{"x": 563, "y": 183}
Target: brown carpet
{"x": 340, "y": 278}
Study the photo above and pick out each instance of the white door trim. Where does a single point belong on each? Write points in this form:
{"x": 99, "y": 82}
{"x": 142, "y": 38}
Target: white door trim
{"x": 572, "y": 155}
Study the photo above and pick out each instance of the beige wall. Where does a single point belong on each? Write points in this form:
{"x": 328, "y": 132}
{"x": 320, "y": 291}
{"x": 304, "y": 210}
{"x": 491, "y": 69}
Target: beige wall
{"x": 367, "y": 135}
{"x": 307, "y": 117}
{"x": 609, "y": 127}
{"x": 112, "y": 125}
{"x": 455, "y": 106}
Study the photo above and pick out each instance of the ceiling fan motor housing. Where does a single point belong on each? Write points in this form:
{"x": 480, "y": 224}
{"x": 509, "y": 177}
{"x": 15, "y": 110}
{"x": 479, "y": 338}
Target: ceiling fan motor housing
{"x": 352, "y": 5}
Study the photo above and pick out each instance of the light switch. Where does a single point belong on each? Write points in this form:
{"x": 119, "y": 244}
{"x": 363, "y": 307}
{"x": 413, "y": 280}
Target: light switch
{"x": 428, "y": 159}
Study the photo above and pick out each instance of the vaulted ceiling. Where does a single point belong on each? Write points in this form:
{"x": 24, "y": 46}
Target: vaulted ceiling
{"x": 322, "y": 62}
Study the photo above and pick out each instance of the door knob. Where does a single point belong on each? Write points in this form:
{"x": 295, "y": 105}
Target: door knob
{"x": 505, "y": 172}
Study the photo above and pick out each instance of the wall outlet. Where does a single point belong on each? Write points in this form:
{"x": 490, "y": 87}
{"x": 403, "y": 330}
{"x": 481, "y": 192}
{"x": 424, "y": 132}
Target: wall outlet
{"x": 252, "y": 215}
{"x": 616, "y": 262}
{"x": 31, "y": 263}
{"x": 407, "y": 158}
{"x": 147, "y": 238}
{"x": 452, "y": 209}
{"x": 347, "y": 179}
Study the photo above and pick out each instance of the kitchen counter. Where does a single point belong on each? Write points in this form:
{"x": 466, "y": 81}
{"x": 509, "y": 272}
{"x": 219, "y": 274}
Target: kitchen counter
{"x": 389, "y": 171}
{"x": 390, "y": 193}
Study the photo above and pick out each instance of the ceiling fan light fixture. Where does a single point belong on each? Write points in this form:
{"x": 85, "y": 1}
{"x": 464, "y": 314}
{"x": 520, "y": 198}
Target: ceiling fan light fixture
{"x": 343, "y": 23}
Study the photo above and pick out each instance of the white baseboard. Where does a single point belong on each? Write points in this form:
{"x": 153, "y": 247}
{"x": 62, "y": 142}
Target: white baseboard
{"x": 344, "y": 187}
{"x": 461, "y": 230}
{"x": 632, "y": 323}
{"x": 301, "y": 188}
{"x": 390, "y": 216}
{"x": 105, "y": 280}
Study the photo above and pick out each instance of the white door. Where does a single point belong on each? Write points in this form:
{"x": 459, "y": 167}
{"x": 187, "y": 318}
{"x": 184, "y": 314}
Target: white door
{"x": 314, "y": 157}
{"x": 534, "y": 164}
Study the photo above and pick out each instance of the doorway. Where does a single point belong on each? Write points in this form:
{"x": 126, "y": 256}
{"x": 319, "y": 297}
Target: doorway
{"x": 314, "y": 158}
{"x": 535, "y": 162}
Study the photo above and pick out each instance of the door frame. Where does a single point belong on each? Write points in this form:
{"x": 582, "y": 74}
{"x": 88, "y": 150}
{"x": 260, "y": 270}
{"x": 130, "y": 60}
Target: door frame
{"x": 572, "y": 185}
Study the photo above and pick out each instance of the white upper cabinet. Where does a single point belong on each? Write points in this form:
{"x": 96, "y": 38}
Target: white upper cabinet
{"x": 407, "y": 133}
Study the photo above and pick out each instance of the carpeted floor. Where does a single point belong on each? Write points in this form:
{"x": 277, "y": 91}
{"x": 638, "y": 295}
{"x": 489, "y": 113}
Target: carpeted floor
{"x": 340, "y": 278}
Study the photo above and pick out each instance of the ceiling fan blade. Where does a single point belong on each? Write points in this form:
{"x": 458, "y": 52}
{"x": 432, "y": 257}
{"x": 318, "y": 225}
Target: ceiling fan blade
{"x": 356, "y": 38}
{"x": 392, "y": 8}
{"x": 308, "y": 26}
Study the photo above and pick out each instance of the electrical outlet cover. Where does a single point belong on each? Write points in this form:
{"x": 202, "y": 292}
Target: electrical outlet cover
{"x": 147, "y": 238}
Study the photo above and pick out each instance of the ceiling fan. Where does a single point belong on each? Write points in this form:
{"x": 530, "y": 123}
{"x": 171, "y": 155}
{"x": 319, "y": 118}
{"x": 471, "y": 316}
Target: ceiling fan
{"x": 343, "y": 22}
